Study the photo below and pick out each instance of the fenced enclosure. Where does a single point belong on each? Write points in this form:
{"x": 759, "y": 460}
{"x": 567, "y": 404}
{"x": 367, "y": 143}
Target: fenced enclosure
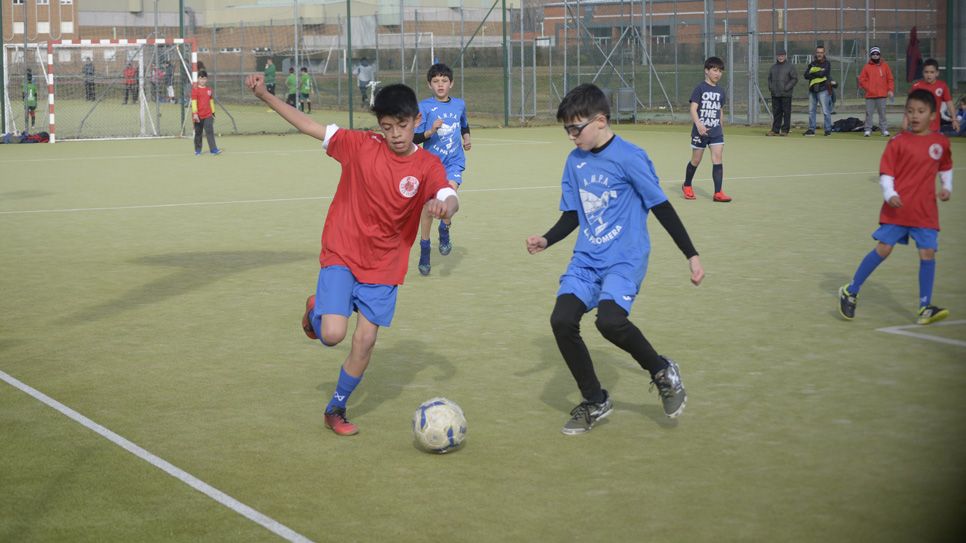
{"x": 513, "y": 65}
{"x": 122, "y": 96}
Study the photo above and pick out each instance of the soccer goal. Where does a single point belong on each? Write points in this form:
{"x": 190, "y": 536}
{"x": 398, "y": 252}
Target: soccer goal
{"x": 101, "y": 89}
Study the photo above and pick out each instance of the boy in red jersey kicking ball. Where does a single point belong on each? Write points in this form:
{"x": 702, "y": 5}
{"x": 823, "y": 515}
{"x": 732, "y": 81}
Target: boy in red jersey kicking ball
{"x": 908, "y": 177}
{"x": 387, "y": 182}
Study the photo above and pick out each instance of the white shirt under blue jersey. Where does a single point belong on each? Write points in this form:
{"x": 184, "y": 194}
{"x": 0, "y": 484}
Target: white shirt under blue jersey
{"x": 611, "y": 191}
{"x": 709, "y": 98}
{"x": 447, "y": 142}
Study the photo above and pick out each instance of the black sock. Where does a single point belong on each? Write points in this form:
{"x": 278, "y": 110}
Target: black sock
{"x": 613, "y": 324}
{"x": 717, "y": 172}
{"x": 565, "y": 321}
{"x": 689, "y": 174}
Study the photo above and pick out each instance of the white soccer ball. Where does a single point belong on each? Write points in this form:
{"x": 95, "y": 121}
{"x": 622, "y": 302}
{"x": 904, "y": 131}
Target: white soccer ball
{"x": 439, "y": 425}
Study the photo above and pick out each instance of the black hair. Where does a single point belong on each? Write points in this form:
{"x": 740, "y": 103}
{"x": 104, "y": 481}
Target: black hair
{"x": 305, "y": 69}
{"x": 202, "y": 73}
{"x": 291, "y": 70}
{"x": 931, "y": 62}
{"x": 396, "y": 100}
{"x": 583, "y": 101}
{"x": 924, "y": 96}
{"x": 439, "y": 69}
{"x": 714, "y": 62}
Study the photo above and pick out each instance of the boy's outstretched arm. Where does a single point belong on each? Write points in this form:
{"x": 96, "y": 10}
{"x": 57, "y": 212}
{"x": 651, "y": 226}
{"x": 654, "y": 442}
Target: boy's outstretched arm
{"x": 304, "y": 123}
{"x": 566, "y": 224}
{"x": 672, "y": 223}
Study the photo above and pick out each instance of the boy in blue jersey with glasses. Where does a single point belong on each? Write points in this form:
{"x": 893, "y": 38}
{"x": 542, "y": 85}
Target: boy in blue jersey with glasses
{"x": 609, "y": 186}
{"x": 445, "y": 132}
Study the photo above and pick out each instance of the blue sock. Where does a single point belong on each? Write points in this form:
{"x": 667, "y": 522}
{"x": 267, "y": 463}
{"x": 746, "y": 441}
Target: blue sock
{"x": 927, "y": 275}
{"x": 866, "y": 267}
{"x": 343, "y": 389}
{"x": 424, "y": 245}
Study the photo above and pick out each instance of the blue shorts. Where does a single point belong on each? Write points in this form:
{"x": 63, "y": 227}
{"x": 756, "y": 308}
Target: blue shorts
{"x": 590, "y": 286}
{"x": 702, "y": 142}
{"x": 890, "y": 234}
{"x": 338, "y": 293}
{"x": 455, "y": 174}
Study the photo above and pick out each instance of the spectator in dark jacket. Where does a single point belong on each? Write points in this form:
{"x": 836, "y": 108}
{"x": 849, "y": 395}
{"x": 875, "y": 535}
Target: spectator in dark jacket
{"x": 781, "y": 83}
{"x": 818, "y": 72}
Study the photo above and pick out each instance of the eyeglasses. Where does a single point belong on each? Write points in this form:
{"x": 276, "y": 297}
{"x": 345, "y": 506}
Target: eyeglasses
{"x": 574, "y": 130}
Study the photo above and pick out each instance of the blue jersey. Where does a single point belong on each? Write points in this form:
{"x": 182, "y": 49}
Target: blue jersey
{"x": 447, "y": 142}
{"x": 611, "y": 191}
{"x": 709, "y": 98}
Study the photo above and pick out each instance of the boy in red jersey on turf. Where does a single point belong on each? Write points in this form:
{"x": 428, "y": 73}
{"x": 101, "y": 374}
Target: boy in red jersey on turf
{"x": 940, "y": 91}
{"x": 203, "y": 113}
{"x": 908, "y": 177}
{"x": 387, "y": 183}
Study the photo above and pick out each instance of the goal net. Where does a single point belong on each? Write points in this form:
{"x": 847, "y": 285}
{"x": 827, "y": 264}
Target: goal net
{"x": 100, "y": 89}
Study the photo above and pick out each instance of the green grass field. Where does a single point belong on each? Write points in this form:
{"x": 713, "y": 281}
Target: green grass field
{"x": 159, "y": 295}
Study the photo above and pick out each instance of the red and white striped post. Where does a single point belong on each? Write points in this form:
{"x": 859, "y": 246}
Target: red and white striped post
{"x": 76, "y": 43}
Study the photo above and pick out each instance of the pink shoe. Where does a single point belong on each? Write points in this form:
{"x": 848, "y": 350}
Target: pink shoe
{"x": 306, "y": 325}
{"x": 336, "y": 421}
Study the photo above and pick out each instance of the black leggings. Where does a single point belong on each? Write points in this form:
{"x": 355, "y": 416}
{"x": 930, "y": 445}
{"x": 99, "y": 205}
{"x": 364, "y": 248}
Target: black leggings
{"x": 613, "y": 324}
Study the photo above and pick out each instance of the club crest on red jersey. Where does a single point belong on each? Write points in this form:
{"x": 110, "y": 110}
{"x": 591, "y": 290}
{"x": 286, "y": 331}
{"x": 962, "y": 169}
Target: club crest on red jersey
{"x": 935, "y": 151}
{"x": 408, "y": 186}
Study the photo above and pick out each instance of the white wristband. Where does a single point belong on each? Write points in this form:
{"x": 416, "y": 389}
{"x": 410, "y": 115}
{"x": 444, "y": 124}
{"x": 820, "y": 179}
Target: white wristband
{"x": 446, "y": 192}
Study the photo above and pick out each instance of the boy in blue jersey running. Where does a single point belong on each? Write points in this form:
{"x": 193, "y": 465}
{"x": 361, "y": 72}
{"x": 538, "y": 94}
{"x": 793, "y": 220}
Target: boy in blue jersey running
{"x": 445, "y": 132}
{"x": 609, "y": 186}
{"x": 707, "y": 101}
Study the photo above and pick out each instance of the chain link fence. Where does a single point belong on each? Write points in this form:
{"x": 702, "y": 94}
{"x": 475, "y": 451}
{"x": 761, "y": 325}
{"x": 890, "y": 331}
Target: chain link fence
{"x": 647, "y": 54}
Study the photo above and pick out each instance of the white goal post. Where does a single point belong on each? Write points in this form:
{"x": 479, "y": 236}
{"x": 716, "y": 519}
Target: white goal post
{"x": 101, "y": 89}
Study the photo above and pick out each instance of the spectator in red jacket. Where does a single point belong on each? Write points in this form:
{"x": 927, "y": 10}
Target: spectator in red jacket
{"x": 877, "y": 82}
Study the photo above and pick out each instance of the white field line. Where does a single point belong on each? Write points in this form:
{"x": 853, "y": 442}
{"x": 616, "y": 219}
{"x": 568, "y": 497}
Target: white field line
{"x": 904, "y": 331}
{"x": 489, "y": 142}
{"x": 266, "y": 522}
{"x": 672, "y": 182}
{"x": 159, "y": 206}
{"x": 276, "y": 200}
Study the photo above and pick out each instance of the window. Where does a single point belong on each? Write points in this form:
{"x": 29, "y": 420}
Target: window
{"x": 17, "y": 2}
{"x": 43, "y": 2}
{"x": 66, "y": 2}
{"x": 43, "y": 27}
{"x": 18, "y": 27}
{"x": 67, "y": 27}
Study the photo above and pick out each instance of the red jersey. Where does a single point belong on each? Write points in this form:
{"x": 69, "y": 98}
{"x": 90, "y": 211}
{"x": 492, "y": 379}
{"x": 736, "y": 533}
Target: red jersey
{"x": 914, "y": 161}
{"x": 374, "y": 216}
{"x": 201, "y": 102}
{"x": 940, "y": 92}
